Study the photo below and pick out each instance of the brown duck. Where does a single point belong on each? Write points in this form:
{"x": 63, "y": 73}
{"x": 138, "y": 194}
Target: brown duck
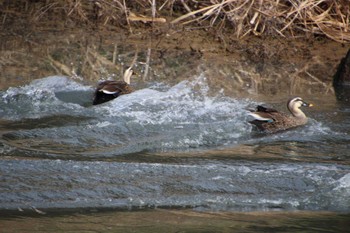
{"x": 270, "y": 120}
{"x": 108, "y": 90}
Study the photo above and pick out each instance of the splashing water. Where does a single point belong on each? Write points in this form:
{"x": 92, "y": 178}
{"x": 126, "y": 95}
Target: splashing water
{"x": 179, "y": 118}
{"x": 54, "y": 118}
{"x": 183, "y": 117}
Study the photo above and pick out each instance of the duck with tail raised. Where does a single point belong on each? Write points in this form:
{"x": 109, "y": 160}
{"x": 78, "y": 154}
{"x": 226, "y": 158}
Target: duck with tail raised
{"x": 270, "y": 120}
{"x": 109, "y": 89}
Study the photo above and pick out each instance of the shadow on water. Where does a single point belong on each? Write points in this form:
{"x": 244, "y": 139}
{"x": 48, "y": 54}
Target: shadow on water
{"x": 83, "y": 98}
{"x": 163, "y": 220}
{"x": 43, "y": 122}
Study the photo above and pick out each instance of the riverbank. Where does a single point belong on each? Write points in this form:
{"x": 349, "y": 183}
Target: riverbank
{"x": 39, "y": 46}
{"x": 162, "y": 220}
{"x": 250, "y": 66}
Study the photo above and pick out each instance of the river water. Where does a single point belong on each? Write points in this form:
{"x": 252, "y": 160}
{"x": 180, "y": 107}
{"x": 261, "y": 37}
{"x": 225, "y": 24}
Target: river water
{"x": 167, "y": 158}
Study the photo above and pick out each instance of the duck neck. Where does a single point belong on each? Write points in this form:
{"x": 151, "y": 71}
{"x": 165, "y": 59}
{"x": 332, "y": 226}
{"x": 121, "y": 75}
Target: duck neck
{"x": 127, "y": 75}
{"x": 296, "y": 112}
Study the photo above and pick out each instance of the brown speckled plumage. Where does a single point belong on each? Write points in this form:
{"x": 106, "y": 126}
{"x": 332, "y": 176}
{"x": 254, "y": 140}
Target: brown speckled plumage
{"x": 271, "y": 121}
{"x": 108, "y": 90}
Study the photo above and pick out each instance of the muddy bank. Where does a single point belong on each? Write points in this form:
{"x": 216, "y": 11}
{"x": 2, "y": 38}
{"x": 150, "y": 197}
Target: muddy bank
{"x": 252, "y": 65}
{"x": 277, "y": 47}
{"x": 249, "y": 66}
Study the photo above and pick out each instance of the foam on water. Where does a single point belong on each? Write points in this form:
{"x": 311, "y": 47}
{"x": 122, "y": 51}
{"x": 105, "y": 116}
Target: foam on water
{"x": 344, "y": 183}
{"x": 42, "y": 88}
{"x": 214, "y": 186}
{"x": 44, "y": 119}
{"x": 184, "y": 103}
{"x": 38, "y": 98}
{"x": 182, "y": 117}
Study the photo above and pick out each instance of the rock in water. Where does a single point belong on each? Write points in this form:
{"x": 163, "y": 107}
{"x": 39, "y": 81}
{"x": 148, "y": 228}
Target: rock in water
{"x": 341, "y": 79}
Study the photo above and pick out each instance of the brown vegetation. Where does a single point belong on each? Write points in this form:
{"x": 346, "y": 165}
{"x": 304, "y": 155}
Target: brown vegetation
{"x": 248, "y": 45}
{"x": 286, "y": 18}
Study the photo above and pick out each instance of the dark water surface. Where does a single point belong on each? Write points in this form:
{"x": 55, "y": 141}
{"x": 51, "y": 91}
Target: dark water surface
{"x": 167, "y": 158}
{"x": 154, "y": 221}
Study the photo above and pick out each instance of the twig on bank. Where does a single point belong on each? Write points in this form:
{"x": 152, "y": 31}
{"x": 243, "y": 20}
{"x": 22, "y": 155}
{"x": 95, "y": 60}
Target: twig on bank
{"x": 148, "y": 59}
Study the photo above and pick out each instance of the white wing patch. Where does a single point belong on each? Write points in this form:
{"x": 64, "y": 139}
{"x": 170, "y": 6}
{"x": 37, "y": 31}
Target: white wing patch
{"x": 260, "y": 118}
{"x": 109, "y": 92}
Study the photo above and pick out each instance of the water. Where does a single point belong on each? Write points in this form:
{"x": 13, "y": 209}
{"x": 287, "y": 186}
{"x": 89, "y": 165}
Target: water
{"x": 166, "y": 147}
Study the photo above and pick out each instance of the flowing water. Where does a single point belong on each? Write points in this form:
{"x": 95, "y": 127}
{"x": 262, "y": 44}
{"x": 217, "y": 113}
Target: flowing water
{"x": 167, "y": 147}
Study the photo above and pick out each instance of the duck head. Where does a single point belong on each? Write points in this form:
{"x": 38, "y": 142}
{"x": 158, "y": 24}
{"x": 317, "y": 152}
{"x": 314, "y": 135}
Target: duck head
{"x": 294, "y": 105}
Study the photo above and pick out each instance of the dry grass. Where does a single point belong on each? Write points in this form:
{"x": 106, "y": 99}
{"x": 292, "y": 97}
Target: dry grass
{"x": 286, "y": 18}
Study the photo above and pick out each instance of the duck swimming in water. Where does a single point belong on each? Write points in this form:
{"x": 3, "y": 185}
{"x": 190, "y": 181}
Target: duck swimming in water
{"x": 108, "y": 90}
{"x": 270, "y": 120}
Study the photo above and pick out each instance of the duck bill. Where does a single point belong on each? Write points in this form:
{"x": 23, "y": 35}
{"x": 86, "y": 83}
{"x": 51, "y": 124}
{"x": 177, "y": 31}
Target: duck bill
{"x": 307, "y": 104}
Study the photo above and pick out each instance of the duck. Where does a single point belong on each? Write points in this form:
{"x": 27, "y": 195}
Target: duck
{"x": 270, "y": 120}
{"x": 109, "y": 89}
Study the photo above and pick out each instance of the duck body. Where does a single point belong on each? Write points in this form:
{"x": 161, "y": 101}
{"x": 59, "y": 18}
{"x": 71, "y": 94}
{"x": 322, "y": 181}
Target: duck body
{"x": 108, "y": 90}
{"x": 270, "y": 120}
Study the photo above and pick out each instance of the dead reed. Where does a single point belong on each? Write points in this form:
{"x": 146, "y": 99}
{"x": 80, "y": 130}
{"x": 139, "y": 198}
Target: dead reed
{"x": 286, "y": 18}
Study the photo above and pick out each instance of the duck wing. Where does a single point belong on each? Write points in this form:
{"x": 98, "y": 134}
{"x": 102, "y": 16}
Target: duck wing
{"x": 263, "y": 114}
{"x": 260, "y": 108}
{"x": 113, "y": 87}
{"x": 108, "y": 90}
